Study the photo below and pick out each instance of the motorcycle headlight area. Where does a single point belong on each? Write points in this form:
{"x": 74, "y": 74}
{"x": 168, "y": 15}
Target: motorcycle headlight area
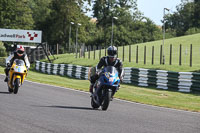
{"x": 107, "y": 75}
{"x": 19, "y": 69}
{"x": 111, "y": 79}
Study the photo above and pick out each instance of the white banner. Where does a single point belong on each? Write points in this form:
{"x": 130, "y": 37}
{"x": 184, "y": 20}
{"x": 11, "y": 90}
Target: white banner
{"x": 32, "y": 36}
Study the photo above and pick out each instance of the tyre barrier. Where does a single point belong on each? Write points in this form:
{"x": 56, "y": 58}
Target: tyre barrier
{"x": 70, "y": 70}
{"x": 180, "y": 81}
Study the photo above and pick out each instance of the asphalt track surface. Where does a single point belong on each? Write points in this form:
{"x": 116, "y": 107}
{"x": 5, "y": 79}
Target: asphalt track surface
{"x": 39, "y": 108}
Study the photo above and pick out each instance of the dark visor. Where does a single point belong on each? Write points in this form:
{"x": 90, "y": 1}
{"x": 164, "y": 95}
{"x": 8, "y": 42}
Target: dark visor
{"x": 20, "y": 52}
{"x": 112, "y": 53}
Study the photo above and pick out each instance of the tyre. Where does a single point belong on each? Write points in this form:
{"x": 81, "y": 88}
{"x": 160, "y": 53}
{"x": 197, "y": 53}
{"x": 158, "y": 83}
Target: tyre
{"x": 10, "y": 90}
{"x": 16, "y": 85}
{"x": 106, "y": 100}
{"x": 93, "y": 104}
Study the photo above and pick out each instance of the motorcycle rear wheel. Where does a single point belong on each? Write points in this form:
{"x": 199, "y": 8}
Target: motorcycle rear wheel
{"x": 16, "y": 87}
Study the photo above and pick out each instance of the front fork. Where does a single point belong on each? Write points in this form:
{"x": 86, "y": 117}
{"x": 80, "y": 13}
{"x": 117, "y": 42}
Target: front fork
{"x": 15, "y": 77}
{"x": 100, "y": 93}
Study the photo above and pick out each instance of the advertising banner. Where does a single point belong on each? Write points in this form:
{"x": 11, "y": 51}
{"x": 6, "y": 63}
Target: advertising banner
{"x": 32, "y": 36}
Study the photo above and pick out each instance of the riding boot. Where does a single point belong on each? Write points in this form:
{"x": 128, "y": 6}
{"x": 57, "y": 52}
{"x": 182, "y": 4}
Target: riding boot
{"x": 6, "y": 70}
{"x": 6, "y": 79}
{"x": 91, "y": 88}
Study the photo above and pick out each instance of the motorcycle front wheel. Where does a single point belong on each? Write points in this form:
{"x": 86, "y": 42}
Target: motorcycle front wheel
{"x": 10, "y": 90}
{"x": 106, "y": 100}
{"x": 17, "y": 84}
{"x": 93, "y": 104}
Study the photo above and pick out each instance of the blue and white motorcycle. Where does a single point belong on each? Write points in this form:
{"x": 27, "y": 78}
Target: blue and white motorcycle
{"x": 105, "y": 87}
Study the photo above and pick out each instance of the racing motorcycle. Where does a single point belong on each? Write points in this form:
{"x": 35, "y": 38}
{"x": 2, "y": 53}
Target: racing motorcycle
{"x": 16, "y": 76}
{"x": 105, "y": 87}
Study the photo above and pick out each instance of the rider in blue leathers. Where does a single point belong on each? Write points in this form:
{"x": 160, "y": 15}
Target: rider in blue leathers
{"x": 110, "y": 60}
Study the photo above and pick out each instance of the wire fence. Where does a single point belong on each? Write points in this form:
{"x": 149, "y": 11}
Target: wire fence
{"x": 186, "y": 55}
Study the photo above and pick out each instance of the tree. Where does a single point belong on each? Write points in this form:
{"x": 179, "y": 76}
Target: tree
{"x": 62, "y": 13}
{"x": 15, "y": 14}
{"x": 128, "y": 28}
{"x": 197, "y": 13}
{"x": 181, "y": 20}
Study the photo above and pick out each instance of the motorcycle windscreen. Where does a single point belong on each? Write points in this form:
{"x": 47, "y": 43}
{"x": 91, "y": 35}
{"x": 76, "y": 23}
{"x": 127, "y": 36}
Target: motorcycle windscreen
{"x": 19, "y": 62}
{"x": 111, "y": 69}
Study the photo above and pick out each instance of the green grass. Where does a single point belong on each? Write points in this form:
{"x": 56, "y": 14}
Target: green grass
{"x": 164, "y": 98}
{"x": 184, "y": 40}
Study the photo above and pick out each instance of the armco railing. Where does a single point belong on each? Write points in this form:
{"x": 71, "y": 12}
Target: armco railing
{"x": 180, "y": 81}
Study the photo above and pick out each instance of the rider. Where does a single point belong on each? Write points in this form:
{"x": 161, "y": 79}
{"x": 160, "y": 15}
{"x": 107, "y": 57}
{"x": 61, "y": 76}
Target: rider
{"x": 110, "y": 60}
{"x": 17, "y": 54}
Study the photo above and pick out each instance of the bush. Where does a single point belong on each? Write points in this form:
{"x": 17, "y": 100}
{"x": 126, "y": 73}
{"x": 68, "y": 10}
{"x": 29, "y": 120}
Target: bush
{"x": 2, "y": 50}
{"x": 193, "y": 30}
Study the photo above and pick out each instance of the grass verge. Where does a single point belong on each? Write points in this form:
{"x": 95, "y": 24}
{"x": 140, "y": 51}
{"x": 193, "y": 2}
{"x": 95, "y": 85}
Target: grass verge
{"x": 184, "y": 61}
{"x": 151, "y": 96}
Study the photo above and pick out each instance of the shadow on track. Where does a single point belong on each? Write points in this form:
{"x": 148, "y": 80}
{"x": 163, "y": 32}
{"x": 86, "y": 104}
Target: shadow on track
{"x": 67, "y": 107}
{"x": 1, "y": 92}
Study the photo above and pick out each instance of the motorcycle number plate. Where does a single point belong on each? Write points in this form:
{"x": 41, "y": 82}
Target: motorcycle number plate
{"x": 111, "y": 79}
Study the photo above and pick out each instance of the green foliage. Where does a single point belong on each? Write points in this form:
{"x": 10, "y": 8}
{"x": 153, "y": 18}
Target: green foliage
{"x": 186, "y": 20}
{"x": 62, "y": 13}
{"x": 2, "y": 50}
{"x": 15, "y": 14}
{"x": 196, "y": 13}
{"x": 41, "y": 13}
{"x": 53, "y": 17}
{"x": 192, "y": 31}
{"x": 129, "y": 28}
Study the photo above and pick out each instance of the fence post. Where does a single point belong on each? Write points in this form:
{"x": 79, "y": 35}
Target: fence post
{"x": 129, "y": 53}
{"x": 123, "y": 54}
{"x": 152, "y": 55}
{"x": 89, "y": 48}
{"x": 38, "y": 53}
{"x": 84, "y": 51}
{"x": 117, "y": 51}
{"x": 28, "y": 50}
{"x": 170, "y": 55}
{"x": 160, "y": 54}
{"x": 105, "y": 50}
{"x": 79, "y": 48}
{"x": 190, "y": 55}
{"x": 46, "y": 47}
{"x": 137, "y": 54}
{"x": 99, "y": 52}
{"x": 94, "y": 48}
{"x": 34, "y": 55}
{"x": 144, "y": 54}
{"x": 57, "y": 49}
{"x": 180, "y": 55}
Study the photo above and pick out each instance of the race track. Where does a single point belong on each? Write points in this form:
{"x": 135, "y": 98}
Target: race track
{"x": 39, "y": 108}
